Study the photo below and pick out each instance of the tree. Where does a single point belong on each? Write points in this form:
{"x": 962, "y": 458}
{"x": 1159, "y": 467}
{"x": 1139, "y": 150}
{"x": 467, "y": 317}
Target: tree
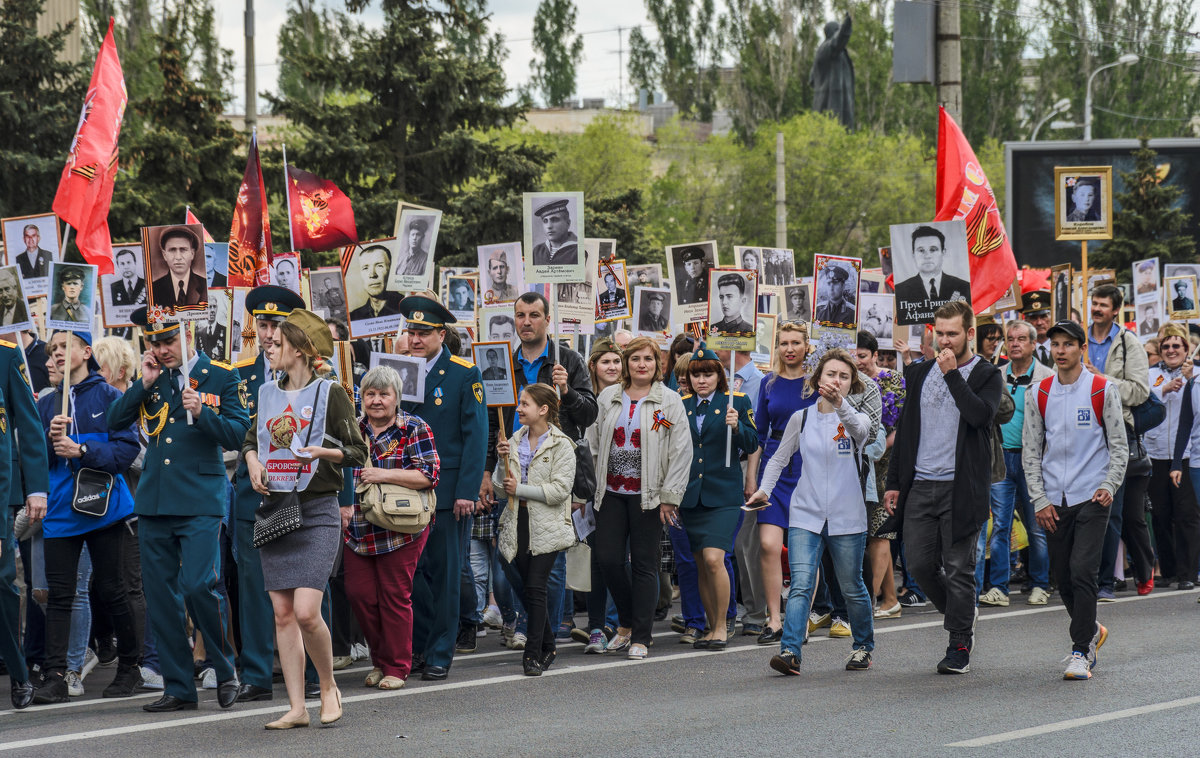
{"x": 688, "y": 53}
{"x": 643, "y": 61}
{"x": 607, "y": 160}
{"x": 1148, "y": 224}
{"x": 996, "y": 38}
{"x": 310, "y": 30}
{"x": 556, "y": 53}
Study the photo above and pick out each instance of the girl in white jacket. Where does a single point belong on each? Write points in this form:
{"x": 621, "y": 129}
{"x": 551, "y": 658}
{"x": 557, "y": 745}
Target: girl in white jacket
{"x": 536, "y": 467}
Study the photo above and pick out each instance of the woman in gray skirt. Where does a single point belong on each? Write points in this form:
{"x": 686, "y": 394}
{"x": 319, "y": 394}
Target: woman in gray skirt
{"x": 305, "y": 434}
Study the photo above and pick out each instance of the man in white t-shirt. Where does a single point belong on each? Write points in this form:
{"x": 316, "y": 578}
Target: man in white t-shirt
{"x": 1074, "y": 454}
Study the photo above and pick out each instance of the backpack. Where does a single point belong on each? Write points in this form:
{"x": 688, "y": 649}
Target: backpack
{"x": 1149, "y": 413}
{"x": 1098, "y": 385}
{"x": 862, "y": 462}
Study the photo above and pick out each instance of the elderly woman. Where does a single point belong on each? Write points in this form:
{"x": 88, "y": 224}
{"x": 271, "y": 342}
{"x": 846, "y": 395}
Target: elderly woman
{"x": 380, "y": 563}
{"x": 306, "y": 433}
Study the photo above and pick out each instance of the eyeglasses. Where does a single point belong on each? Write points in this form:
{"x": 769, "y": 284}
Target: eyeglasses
{"x": 1170, "y": 347}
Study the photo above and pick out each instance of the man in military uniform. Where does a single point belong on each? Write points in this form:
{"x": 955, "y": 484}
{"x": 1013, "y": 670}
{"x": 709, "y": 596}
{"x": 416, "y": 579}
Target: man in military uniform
{"x": 497, "y": 266}
{"x": 455, "y": 411}
{"x": 731, "y": 297}
{"x": 70, "y": 308}
{"x": 836, "y": 310}
{"x": 415, "y": 256}
{"x": 190, "y": 408}
{"x": 1035, "y": 308}
{"x": 25, "y": 476}
{"x": 561, "y": 246}
{"x": 693, "y": 285}
{"x": 1181, "y": 301}
{"x": 269, "y": 305}
{"x": 653, "y": 319}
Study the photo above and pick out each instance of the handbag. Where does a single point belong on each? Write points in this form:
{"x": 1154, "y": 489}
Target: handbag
{"x": 395, "y": 507}
{"x": 279, "y": 513}
{"x": 584, "y": 487}
{"x": 579, "y": 567}
{"x": 92, "y": 492}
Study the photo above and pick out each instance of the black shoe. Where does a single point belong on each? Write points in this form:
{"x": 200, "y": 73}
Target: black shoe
{"x": 786, "y": 663}
{"x": 770, "y": 636}
{"x": 466, "y": 639}
{"x": 610, "y": 632}
{"x": 250, "y": 693}
{"x": 701, "y": 644}
{"x": 531, "y": 666}
{"x": 957, "y": 661}
{"x": 53, "y": 690}
{"x": 169, "y": 703}
{"x": 718, "y": 644}
{"x": 435, "y": 673}
{"x": 1120, "y": 585}
{"x": 125, "y": 683}
{"x": 661, "y": 613}
{"x": 548, "y": 659}
{"x": 22, "y": 694}
{"x": 418, "y": 665}
{"x": 312, "y": 690}
{"x": 106, "y": 651}
{"x": 729, "y": 624}
{"x": 227, "y": 692}
{"x": 1186, "y": 585}
{"x": 677, "y": 624}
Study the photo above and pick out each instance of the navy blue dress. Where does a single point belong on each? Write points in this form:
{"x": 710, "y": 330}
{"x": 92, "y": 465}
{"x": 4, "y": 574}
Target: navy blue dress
{"x": 778, "y": 399}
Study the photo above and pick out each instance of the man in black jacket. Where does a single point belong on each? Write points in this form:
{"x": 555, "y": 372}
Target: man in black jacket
{"x": 939, "y": 477}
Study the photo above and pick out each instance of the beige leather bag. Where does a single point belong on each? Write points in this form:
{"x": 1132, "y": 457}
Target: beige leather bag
{"x": 394, "y": 506}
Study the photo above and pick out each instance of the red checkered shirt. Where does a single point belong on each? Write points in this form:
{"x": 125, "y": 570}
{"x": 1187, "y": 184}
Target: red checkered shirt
{"x": 406, "y": 444}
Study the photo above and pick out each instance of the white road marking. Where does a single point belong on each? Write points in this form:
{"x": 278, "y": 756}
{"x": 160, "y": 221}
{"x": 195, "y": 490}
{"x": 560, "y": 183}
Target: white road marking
{"x": 1058, "y": 726}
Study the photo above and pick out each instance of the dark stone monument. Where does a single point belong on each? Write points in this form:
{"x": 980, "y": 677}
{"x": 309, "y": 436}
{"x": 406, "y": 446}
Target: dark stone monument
{"x": 832, "y": 75}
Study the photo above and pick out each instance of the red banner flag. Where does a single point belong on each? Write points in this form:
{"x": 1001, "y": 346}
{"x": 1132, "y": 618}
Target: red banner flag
{"x": 319, "y": 213}
{"x": 190, "y": 218}
{"x": 86, "y": 187}
{"x": 963, "y": 191}
{"x": 250, "y": 235}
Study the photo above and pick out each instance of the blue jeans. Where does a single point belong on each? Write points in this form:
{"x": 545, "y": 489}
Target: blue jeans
{"x": 804, "y": 558}
{"x": 481, "y": 569}
{"x": 81, "y": 614}
{"x": 1006, "y": 495}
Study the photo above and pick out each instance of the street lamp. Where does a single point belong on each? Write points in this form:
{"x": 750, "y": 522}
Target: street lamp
{"x": 1124, "y": 60}
{"x": 1055, "y": 109}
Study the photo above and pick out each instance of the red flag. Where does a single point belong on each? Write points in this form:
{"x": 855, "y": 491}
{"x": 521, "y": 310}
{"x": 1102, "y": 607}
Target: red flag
{"x": 85, "y": 189}
{"x": 319, "y": 213}
{"x": 190, "y": 218}
{"x": 250, "y": 235}
{"x": 963, "y": 191}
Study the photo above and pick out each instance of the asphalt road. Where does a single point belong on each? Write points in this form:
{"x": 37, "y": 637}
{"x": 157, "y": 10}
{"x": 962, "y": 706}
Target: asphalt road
{"x": 1142, "y": 700}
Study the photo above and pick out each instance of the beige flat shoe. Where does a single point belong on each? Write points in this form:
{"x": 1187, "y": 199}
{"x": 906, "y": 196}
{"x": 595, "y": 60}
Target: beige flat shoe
{"x": 286, "y": 724}
{"x": 329, "y": 718}
{"x": 391, "y": 683}
{"x": 373, "y": 678}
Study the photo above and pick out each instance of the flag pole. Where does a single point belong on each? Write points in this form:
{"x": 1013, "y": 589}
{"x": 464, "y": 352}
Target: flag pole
{"x": 728, "y": 428}
{"x": 67, "y": 366}
{"x": 288, "y": 195}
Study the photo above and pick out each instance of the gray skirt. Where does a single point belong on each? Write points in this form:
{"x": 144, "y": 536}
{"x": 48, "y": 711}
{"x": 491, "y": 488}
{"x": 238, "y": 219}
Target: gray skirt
{"x": 305, "y": 558}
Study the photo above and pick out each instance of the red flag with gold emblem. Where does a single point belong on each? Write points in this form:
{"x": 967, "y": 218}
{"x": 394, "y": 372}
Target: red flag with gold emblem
{"x": 319, "y": 213}
{"x": 86, "y": 187}
{"x": 963, "y": 191}
{"x": 250, "y": 235}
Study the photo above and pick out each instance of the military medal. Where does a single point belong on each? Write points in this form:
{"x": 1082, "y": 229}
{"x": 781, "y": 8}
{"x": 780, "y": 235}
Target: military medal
{"x": 437, "y": 396}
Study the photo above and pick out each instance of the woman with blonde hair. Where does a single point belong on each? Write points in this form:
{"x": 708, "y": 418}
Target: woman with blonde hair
{"x": 118, "y": 362}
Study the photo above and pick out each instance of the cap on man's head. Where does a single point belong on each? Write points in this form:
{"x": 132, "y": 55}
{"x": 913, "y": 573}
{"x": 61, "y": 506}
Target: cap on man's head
{"x": 554, "y": 206}
{"x": 93, "y": 364}
{"x": 420, "y": 224}
{"x": 423, "y": 312}
{"x": 179, "y": 231}
{"x": 1069, "y": 329}
{"x": 838, "y": 273}
{"x": 154, "y": 332}
{"x": 1035, "y": 303}
{"x": 656, "y": 296}
{"x": 272, "y": 302}
{"x": 71, "y": 275}
{"x": 691, "y": 253}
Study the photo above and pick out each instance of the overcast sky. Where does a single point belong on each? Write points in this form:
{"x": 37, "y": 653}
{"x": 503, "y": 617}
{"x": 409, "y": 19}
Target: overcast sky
{"x": 598, "y": 75}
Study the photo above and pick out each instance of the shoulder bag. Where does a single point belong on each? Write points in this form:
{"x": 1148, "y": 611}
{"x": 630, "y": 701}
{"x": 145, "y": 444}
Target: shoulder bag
{"x": 279, "y": 513}
{"x": 395, "y": 507}
{"x": 92, "y": 492}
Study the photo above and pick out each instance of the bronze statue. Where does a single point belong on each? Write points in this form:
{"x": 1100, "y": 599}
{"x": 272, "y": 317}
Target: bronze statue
{"x": 832, "y": 75}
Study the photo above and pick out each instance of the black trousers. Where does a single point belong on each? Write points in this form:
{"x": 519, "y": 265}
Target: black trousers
{"x": 944, "y": 569}
{"x": 535, "y": 573}
{"x": 108, "y": 582}
{"x": 1176, "y": 522}
{"x": 621, "y": 521}
{"x": 1075, "y": 546}
{"x": 131, "y": 572}
{"x": 1134, "y": 531}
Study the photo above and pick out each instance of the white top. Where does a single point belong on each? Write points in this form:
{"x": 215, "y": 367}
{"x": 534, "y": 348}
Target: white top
{"x": 1075, "y": 458}
{"x": 1194, "y": 434}
{"x": 1160, "y": 441}
{"x": 828, "y": 492}
{"x": 937, "y": 449}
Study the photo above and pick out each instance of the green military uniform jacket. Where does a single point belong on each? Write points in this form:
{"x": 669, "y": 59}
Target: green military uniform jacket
{"x": 254, "y": 373}
{"x": 29, "y": 469}
{"x": 709, "y": 472}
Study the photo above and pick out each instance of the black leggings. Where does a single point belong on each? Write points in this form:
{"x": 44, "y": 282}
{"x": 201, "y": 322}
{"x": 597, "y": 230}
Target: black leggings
{"x": 1176, "y": 519}
{"x": 535, "y": 572}
{"x": 621, "y": 521}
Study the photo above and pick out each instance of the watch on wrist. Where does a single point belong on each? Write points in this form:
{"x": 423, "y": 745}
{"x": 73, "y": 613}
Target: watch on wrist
{"x": 83, "y": 450}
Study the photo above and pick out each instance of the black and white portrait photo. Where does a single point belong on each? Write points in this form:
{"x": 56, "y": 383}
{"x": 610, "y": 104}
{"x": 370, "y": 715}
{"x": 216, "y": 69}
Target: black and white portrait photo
{"x": 835, "y": 280}
{"x": 501, "y": 272}
{"x": 328, "y": 293}
{"x": 72, "y": 296}
{"x": 1181, "y": 297}
{"x": 285, "y": 271}
{"x": 31, "y": 243}
{"x": 411, "y": 370}
{"x": 930, "y": 266}
{"x": 574, "y": 307}
{"x": 687, "y": 268}
{"x": 411, "y": 267}
{"x": 212, "y": 333}
{"x": 496, "y": 324}
{"x": 732, "y": 301}
{"x": 176, "y": 269}
{"x": 653, "y": 307}
{"x": 612, "y": 291}
{"x": 553, "y": 238}
{"x": 645, "y": 275}
{"x": 1149, "y": 319}
{"x": 494, "y": 360}
{"x": 1145, "y": 279}
{"x": 797, "y": 303}
{"x": 123, "y": 291}
{"x": 776, "y": 267}
{"x": 1083, "y": 202}
{"x": 1060, "y": 292}
{"x": 14, "y": 310}
{"x": 764, "y": 338}
{"x": 374, "y": 306}
{"x": 875, "y": 317}
{"x": 461, "y": 300}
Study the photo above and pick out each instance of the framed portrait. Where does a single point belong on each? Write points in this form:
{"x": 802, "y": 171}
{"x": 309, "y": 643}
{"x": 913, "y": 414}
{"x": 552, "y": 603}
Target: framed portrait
{"x": 285, "y": 271}
{"x": 797, "y": 303}
{"x": 764, "y": 339}
{"x": 32, "y": 243}
{"x": 176, "y": 272}
{"x": 877, "y": 318}
{"x": 243, "y": 339}
{"x": 1181, "y": 297}
{"x": 72, "y": 296}
{"x": 411, "y": 268}
{"x": 653, "y": 308}
{"x": 930, "y": 267}
{"x": 495, "y": 362}
{"x": 444, "y": 274}
{"x": 466, "y": 338}
{"x": 216, "y": 263}
{"x": 612, "y": 291}
{"x": 462, "y": 297}
{"x": 501, "y": 272}
{"x": 1096, "y": 277}
{"x": 411, "y": 370}
{"x": 14, "y": 307}
{"x": 212, "y": 334}
{"x": 123, "y": 291}
{"x": 687, "y": 268}
{"x": 1149, "y": 319}
{"x": 835, "y": 296}
{"x": 327, "y": 293}
{"x": 870, "y": 281}
{"x": 403, "y": 206}
{"x": 374, "y": 305}
{"x": 778, "y": 267}
{"x": 1009, "y": 300}
{"x": 496, "y": 323}
{"x": 644, "y": 275}
{"x": 1061, "y": 277}
{"x": 553, "y": 236}
{"x": 1146, "y": 280}
{"x": 1083, "y": 202}
{"x": 573, "y": 307}
{"x": 732, "y": 309}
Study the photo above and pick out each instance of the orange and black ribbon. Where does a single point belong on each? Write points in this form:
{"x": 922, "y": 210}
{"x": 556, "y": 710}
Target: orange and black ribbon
{"x": 660, "y": 421}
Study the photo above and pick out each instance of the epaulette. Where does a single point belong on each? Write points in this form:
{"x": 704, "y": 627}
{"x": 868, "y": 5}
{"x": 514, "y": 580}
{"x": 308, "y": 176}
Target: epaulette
{"x": 219, "y": 364}
{"x": 739, "y": 394}
{"x": 6, "y": 343}
{"x": 462, "y": 361}
{"x": 245, "y": 362}
{"x": 685, "y": 397}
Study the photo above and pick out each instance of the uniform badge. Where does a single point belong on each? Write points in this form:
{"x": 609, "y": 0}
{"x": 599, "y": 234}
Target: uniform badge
{"x": 477, "y": 388}
{"x": 244, "y": 393}
{"x": 437, "y": 396}
{"x": 306, "y": 412}
{"x": 3, "y": 420}
{"x": 750, "y": 415}
{"x": 25, "y": 373}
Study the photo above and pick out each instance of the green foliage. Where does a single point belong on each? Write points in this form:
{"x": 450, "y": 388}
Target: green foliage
{"x": 311, "y": 29}
{"x": 994, "y": 38}
{"x": 688, "y": 52}
{"x": 556, "y": 53}
{"x": 643, "y": 61}
{"x": 609, "y": 160}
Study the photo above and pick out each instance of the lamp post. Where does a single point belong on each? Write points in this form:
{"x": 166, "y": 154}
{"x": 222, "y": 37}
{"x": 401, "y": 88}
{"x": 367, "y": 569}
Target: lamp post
{"x": 1055, "y": 109}
{"x": 1124, "y": 60}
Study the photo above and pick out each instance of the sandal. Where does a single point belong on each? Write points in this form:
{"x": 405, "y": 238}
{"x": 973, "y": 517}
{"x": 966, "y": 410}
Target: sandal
{"x": 619, "y": 641}
{"x": 373, "y": 678}
{"x": 391, "y": 683}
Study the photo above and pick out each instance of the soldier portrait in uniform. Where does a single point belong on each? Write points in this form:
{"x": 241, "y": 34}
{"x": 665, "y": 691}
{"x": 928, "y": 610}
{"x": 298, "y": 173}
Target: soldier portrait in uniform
{"x": 1145, "y": 279}
{"x": 732, "y": 301}
{"x": 285, "y": 271}
{"x": 687, "y": 268}
{"x": 553, "y": 237}
{"x": 411, "y": 371}
{"x": 212, "y": 334}
{"x": 31, "y": 243}
{"x": 500, "y": 272}
{"x": 653, "y": 307}
{"x": 797, "y": 305}
{"x": 175, "y": 267}
{"x": 612, "y": 298}
{"x": 461, "y": 302}
{"x": 645, "y": 275}
{"x": 1181, "y": 290}
{"x": 328, "y": 293}
{"x": 14, "y": 312}
{"x": 1082, "y": 202}
{"x": 931, "y": 267}
{"x": 73, "y": 296}
{"x": 876, "y": 317}
{"x": 836, "y": 283}
{"x": 499, "y": 383}
{"x": 374, "y": 305}
{"x": 412, "y": 260}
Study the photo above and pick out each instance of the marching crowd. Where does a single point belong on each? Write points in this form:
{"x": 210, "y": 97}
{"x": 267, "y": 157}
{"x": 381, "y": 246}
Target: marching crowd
{"x": 201, "y": 525}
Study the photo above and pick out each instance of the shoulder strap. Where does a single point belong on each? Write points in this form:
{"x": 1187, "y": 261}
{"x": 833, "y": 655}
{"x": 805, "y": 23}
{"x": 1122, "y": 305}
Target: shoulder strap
{"x": 803, "y": 419}
{"x": 1043, "y": 395}
{"x": 1099, "y": 384}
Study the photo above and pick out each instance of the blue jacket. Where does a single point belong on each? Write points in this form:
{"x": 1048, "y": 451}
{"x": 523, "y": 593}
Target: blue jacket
{"x": 721, "y": 484}
{"x": 109, "y": 451}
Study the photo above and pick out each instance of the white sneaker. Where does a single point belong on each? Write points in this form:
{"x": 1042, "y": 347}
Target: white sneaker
{"x": 1077, "y": 667}
{"x": 994, "y": 597}
{"x": 492, "y": 617}
{"x": 208, "y": 678}
{"x": 151, "y": 680}
{"x": 1098, "y": 639}
{"x": 90, "y": 660}
{"x": 1038, "y": 596}
{"x": 889, "y": 613}
{"x": 518, "y": 641}
{"x": 74, "y": 684}
{"x": 481, "y": 631}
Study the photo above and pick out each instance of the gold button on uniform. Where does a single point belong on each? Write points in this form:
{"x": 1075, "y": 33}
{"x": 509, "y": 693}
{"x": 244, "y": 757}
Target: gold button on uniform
{"x": 168, "y": 440}
{"x": 171, "y": 420}
{"x": 166, "y": 461}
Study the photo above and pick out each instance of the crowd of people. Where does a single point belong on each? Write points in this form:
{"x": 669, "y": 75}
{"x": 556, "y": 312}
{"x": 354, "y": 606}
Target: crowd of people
{"x": 205, "y": 526}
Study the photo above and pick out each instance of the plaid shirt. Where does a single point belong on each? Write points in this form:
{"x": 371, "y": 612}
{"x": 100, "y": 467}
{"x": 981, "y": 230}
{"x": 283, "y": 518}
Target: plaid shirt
{"x": 406, "y": 444}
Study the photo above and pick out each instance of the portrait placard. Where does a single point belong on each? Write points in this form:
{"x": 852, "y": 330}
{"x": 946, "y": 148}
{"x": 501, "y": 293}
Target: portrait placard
{"x": 554, "y": 228}
{"x": 444, "y": 274}
{"x": 1009, "y": 300}
{"x": 412, "y": 254}
{"x": 764, "y": 339}
{"x": 687, "y": 268}
{"x": 768, "y": 302}
{"x": 31, "y": 243}
{"x": 1061, "y": 277}
{"x": 930, "y": 267}
{"x": 1146, "y": 281}
{"x": 327, "y": 294}
{"x": 836, "y": 291}
{"x": 653, "y": 308}
{"x": 411, "y": 370}
{"x": 876, "y": 317}
{"x": 797, "y": 303}
{"x": 732, "y": 309}
{"x": 466, "y": 338}
{"x": 501, "y": 272}
{"x": 72, "y": 296}
{"x": 123, "y": 291}
{"x": 285, "y": 271}
{"x": 575, "y": 306}
{"x": 496, "y": 323}
{"x": 374, "y": 305}
{"x": 1149, "y": 319}
{"x": 14, "y": 308}
{"x": 612, "y": 291}
{"x": 176, "y": 272}
{"x": 462, "y": 298}
{"x": 212, "y": 334}
{"x": 495, "y": 362}
{"x": 871, "y": 281}
{"x": 1181, "y": 297}
{"x": 216, "y": 263}
{"x": 401, "y": 207}
{"x": 645, "y": 275}
{"x": 1083, "y": 202}
{"x": 243, "y": 339}
{"x": 776, "y": 267}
